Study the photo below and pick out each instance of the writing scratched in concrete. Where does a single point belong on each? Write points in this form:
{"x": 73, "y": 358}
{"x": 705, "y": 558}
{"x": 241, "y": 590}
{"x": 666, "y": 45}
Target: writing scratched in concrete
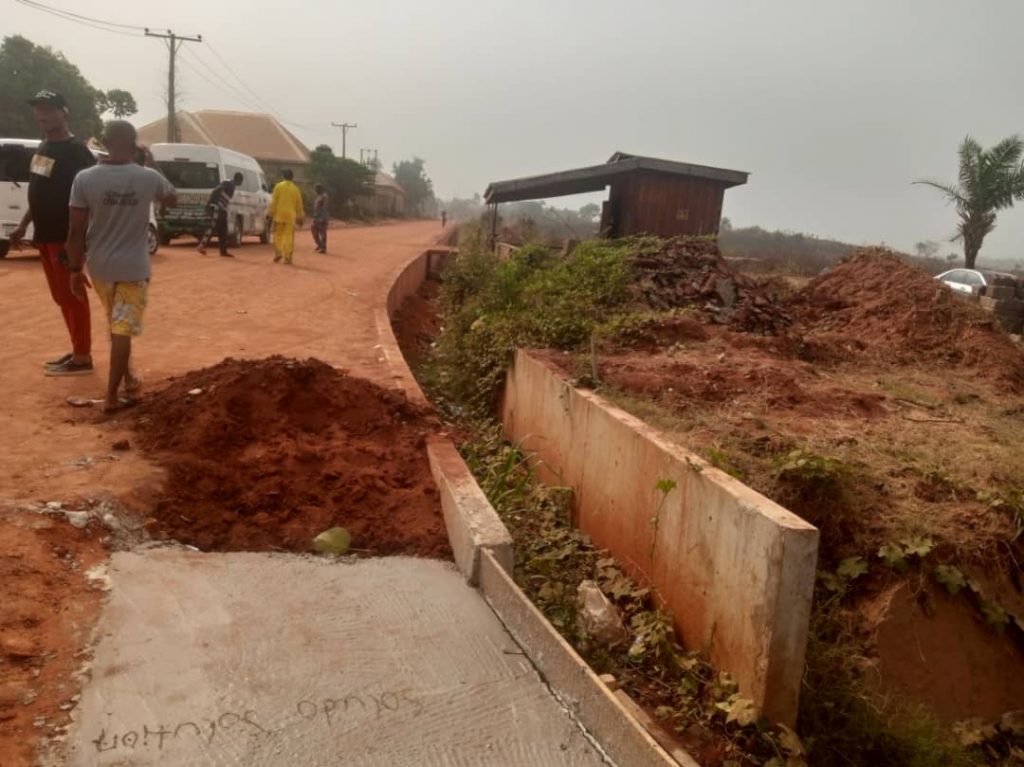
{"x": 325, "y": 712}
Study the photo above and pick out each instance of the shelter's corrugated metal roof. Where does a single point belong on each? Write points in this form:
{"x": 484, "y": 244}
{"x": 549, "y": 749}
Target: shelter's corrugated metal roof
{"x": 594, "y": 178}
{"x": 258, "y": 135}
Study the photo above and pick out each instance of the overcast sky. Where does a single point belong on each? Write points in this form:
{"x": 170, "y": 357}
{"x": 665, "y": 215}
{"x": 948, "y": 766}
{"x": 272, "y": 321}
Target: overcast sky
{"x": 833, "y": 107}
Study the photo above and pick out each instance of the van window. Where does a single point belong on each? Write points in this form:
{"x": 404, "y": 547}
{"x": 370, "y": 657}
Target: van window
{"x": 14, "y": 163}
{"x": 249, "y": 181}
{"x": 263, "y": 183}
{"x": 185, "y": 174}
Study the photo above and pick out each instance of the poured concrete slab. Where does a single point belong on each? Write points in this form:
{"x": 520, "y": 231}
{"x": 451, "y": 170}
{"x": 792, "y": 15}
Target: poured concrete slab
{"x": 261, "y": 660}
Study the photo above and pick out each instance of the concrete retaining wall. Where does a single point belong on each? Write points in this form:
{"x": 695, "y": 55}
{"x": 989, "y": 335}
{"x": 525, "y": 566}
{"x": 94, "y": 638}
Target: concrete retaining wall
{"x": 736, "y": 570}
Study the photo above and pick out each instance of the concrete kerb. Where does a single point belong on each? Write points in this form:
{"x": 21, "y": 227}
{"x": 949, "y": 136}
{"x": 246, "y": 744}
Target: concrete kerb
{"x": 472, "y": 523}
{"x": 482, "y": 548}
{"x": 568, "y": 676}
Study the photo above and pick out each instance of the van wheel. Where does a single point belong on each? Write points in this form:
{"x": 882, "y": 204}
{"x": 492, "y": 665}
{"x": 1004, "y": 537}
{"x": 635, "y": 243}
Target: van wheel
{"x": 152, "y": 240}
{"x": 5, "y": 246}
{"x": 236, "y": 236}
{"x": 265, "y": 234}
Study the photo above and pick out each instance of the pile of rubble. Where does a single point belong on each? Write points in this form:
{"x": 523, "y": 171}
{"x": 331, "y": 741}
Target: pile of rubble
{"x": 692, "y": 272}
{"x": 889, "y": 309}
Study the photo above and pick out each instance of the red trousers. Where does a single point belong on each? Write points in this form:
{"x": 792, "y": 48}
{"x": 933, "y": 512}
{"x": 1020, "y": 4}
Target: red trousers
{"x": 75, "y": 311}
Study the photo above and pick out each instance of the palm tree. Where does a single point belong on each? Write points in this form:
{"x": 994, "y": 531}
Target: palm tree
{"x": 990, "y": 180}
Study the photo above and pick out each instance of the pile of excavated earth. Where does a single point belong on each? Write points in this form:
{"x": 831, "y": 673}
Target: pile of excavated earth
{"x": 264, "y": 455}
{"x": 872, "y": 304}
{"x": 259, "y": 456}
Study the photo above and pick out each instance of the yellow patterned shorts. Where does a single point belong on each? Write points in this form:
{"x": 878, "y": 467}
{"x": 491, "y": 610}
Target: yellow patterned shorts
{"x": 125, "y": 303}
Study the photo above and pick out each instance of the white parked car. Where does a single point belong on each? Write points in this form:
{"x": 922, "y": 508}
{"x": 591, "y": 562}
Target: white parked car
{"x": 195, "y": 170}
{"x": 975, "y": 283}
{"x": 15, "y": 157}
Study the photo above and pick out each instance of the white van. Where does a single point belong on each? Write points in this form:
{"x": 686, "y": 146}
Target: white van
{"x": 194, "y": 170}
{"x": 15, "y": 157}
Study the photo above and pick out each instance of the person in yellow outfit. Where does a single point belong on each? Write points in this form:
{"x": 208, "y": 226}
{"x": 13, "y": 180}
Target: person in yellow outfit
{"x": 286, "y": 210}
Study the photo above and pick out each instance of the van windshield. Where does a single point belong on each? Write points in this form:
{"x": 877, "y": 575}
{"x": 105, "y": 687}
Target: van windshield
{"x": 14, "y": 163}
{"x": 190, "y": 175}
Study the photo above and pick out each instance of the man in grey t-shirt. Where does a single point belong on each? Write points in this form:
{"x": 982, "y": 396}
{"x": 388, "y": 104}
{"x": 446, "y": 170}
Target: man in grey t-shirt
{"x": 109, "y": 218}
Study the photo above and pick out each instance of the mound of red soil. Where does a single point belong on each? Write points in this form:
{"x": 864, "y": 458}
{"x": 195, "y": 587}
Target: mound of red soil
{"x": 875, "y": 303}
{"x": 270, "y": 453}
{"x": 692, "y": 272}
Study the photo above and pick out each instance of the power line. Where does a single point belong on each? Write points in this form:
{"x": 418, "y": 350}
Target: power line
{"x": 253, "y": 101}
{"x": 86, "y": 21}
{"x": 259, "y": 99}
{"x": 264, "y": 105}
{"x": 220, "y": 84}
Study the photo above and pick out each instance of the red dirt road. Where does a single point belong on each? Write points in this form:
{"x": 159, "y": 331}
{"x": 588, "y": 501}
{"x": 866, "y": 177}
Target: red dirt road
{"x": 202, "y": 309}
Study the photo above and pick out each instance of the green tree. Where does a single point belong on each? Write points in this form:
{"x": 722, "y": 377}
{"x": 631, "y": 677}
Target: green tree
{"x": 118, "y": 102}
{"x": 418, "y": 188}
{"x": 989, "y": 181}
{"x": 590, "y": 212}
{"x": 26, "y": 68}
{"x": 345, "y": 179}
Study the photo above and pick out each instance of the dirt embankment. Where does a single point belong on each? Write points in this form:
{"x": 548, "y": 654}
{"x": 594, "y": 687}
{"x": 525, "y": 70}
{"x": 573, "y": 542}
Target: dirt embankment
{"x": 264, "y": 455}
{"x": 416, "y": 324}
{"x": 48, "y": 607}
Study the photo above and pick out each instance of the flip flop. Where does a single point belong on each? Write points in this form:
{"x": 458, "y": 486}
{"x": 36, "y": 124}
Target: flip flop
{"x": 124, "y": 402}
{"x": 84, "y": 401}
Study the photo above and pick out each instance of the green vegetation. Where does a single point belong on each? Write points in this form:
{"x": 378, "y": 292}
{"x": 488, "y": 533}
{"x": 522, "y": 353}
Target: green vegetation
{"x": 345, "y": 179}
{"x": 26, "y": 68}
{"x": 537, "y": 299}
{"x": 419, "y": 189}
{"x": 990, "y": 180}
{"x": 534, "y": 299}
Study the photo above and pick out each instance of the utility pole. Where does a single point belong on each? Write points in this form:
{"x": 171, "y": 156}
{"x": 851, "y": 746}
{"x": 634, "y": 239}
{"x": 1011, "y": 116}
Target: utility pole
{"x": 344, "y": 135}
{"x": 174, "y": 43}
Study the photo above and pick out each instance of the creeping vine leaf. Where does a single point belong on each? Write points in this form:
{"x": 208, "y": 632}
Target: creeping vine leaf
{"x": 739, "y": 710}
{"x": 918, "y": 547}
{"x": 995, "y": 615}
{"x": 950, "y": 577}
{"x": 893, "y": 555}
{"x": 852, "y": 568}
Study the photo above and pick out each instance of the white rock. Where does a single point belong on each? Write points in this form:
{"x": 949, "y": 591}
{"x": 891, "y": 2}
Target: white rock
{"x": 55, "y": 505}
{"x": 194, "y": 392}
{"x": 77, "y": 518}
{"x": 598, "y": 616}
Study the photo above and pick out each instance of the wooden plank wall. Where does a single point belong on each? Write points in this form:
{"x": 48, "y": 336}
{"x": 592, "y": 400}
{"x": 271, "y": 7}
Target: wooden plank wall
{"x": 655, "y": 203}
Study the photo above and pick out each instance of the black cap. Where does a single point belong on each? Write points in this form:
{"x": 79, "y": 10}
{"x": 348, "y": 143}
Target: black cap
{"x": 52, "y": 98}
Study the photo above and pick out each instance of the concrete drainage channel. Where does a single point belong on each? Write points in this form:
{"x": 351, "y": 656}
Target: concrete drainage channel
{"x": 482, "y": 548}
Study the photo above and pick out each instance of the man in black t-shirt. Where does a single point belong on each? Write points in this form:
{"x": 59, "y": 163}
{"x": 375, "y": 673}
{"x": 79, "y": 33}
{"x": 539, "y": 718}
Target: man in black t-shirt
{"x": 54, "y": 166}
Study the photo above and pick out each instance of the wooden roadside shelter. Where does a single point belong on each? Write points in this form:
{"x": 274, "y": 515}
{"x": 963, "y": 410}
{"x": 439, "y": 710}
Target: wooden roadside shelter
{"x": 648, "y": 195}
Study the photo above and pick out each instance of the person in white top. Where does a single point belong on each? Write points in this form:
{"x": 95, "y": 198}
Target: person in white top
{"x": 109, "y": 218}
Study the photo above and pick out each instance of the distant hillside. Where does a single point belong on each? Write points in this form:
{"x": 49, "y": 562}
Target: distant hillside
{"x": 789, "y": 252}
